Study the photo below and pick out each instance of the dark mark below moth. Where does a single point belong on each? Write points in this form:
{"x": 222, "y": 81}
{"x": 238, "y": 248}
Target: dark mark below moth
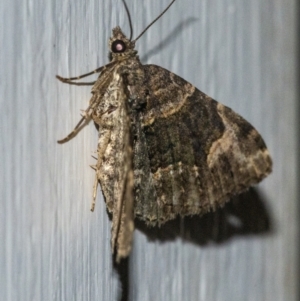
{"x": 165, "y": 148}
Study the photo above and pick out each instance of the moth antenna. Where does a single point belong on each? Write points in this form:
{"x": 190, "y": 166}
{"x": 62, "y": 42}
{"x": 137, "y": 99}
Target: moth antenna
{"x": 129, "y": 19}
{"x": 153, "y": 22}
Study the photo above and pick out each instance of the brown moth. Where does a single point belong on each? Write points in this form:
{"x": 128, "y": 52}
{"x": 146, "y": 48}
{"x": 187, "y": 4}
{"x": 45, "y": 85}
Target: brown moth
{"x": 165, "y": 148}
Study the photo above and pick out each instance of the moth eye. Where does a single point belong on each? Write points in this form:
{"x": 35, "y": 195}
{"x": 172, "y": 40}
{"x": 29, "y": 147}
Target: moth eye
{"x": 118, "y": 46}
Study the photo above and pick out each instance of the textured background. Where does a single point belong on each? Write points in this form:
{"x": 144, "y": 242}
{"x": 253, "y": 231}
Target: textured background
{"x": 243, "y": 53}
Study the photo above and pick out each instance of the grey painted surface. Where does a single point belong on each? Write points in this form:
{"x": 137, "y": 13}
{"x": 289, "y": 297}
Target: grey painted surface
{"x": 242, "y": 53}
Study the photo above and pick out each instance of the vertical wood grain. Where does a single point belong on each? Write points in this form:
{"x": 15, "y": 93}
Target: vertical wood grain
{"x": 242, "y": 53}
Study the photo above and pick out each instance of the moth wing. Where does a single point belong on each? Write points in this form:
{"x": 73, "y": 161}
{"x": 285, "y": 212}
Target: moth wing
{"x": 200, "y": 153}
{"x": 122, "y": 220}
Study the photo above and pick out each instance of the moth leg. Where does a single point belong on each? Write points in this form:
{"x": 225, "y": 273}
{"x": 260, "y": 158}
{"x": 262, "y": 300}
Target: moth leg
{"x": 86, "y": 117}
{"x": 94, "y": 192}
{"x": 80, "y": 125}
{"x": 66, "y": 80}
{"x": 93, "y": 167}
{"x": 79, "y": 84}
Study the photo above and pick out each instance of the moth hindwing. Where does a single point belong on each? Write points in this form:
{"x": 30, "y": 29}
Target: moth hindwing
{"x": 165, "y": 148}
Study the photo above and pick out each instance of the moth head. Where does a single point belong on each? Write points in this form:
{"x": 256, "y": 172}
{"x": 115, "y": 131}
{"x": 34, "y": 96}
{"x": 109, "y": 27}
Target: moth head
{"x": 120, "y": 46}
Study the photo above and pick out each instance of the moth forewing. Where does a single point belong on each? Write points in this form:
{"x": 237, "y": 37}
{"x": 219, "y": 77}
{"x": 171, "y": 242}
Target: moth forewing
{"x": 114, "y": 166}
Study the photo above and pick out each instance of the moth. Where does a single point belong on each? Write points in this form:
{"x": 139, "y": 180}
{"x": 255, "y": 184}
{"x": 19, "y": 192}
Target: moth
{"x": 165, "y": 148}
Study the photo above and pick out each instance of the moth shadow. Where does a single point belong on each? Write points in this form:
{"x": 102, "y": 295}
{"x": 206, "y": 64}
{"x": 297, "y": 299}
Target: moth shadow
{"x": 122, "y": 270}
{"x": 175, "y": 32}
{"x": 244, "y": 215}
